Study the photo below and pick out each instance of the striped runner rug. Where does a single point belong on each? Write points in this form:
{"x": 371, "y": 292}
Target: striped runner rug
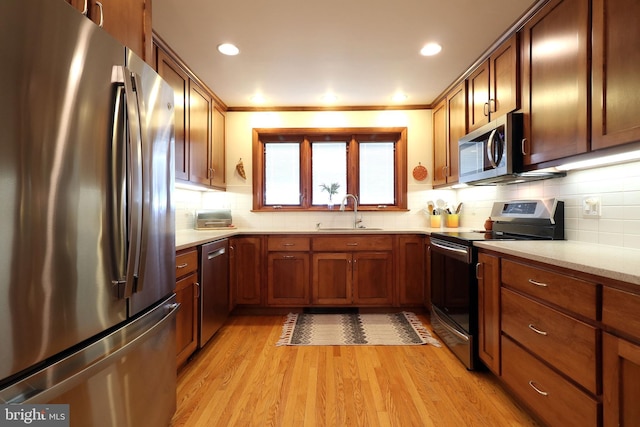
{"x": 355, "y": 329}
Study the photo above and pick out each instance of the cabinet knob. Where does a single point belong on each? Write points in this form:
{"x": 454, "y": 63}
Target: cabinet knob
{"x": 523, "y": 146}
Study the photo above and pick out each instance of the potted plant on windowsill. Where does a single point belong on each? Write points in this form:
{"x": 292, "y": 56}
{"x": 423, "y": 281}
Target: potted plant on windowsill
{"x": 332, "y": 189}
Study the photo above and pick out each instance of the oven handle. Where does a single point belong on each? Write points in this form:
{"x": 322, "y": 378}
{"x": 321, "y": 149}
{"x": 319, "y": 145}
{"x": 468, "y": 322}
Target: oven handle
{"x": 450, "y": 328}
{"x": 448, "y": 248}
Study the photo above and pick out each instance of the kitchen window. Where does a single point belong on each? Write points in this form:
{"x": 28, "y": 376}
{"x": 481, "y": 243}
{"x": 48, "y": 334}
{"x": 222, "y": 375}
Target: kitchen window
{"x": 294, "y": 169}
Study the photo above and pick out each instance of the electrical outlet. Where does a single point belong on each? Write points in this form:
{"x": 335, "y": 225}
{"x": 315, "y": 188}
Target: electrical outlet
{"x": 591, "y": 207}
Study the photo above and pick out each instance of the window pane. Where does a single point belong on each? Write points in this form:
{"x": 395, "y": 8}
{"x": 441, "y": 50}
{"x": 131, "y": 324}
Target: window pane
{"x": 329, "y": 167}
{"x": 377, "y": 173}
{"x": 282, "y": 173}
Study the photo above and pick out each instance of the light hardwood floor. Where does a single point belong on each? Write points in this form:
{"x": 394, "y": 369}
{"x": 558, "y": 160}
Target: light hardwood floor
{"x": 242, "y": 379}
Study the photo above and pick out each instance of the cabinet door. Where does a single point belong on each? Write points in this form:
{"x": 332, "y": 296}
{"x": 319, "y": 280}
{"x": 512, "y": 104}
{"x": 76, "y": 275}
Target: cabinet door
{"x": 621, "y": 382}
{"x": 187, "y": 317}
{"x": 372, "y": 278}
{"x": 128, "y": 21}
{"x": 332, "y": 279}
{"x": 78, "y": 4}
{"x": 217, "y": 160}
{"x": 178, "y": 79}
{"x": 488, "y": 275}
{"x": 246, "y": 270}
{"x": 440, "y": 143}
{"x": 199, "y": 106}
{"x": 456, "y": 128}
{"x": 616, "y": 61}
{"x": 288, "y": 278}
{"x": 555, "y": 81}
{"x": 504, "y": 94}
{"x": 410, "y": 270}
{"x": 478, "y": 90}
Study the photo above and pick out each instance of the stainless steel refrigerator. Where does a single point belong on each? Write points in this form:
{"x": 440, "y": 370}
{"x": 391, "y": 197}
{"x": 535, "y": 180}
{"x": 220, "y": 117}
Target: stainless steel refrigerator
{"x": 87, "y": 245}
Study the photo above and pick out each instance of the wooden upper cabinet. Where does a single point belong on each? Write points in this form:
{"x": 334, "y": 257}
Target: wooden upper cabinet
{"x": 128, "y": 21}
{"x": 440, "y": 143}
{"x": 178, "y": 79}
{"x": 449, "y": 125}
{"x": 478, "y": 83}
{"x": 493, "y": 88}
{"x": 200, "y": 108}
{"x": 555, "y": 80}
{"x": 456, "y": 128}
{"x": 217, "y": 160}
{"x": 615, "y": 62}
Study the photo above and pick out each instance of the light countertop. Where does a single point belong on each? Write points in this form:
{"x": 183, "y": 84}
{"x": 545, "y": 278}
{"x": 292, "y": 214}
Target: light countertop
{"x": 613, "y": 262}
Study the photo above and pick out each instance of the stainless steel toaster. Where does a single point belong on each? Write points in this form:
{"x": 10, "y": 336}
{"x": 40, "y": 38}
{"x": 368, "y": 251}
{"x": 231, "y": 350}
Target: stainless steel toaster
{"x": 213, "y": 219}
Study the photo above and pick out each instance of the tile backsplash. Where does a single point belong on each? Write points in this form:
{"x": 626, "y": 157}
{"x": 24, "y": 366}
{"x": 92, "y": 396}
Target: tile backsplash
{"x": 617, "y": 187}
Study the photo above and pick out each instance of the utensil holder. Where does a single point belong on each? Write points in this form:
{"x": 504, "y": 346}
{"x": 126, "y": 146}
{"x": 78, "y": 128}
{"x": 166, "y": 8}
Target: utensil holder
{"x": 435, "y": 221}
{"x": 452, "y": 220}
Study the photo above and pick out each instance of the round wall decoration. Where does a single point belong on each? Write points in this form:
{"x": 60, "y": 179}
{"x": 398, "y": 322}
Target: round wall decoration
{"x": 420, "y": 172}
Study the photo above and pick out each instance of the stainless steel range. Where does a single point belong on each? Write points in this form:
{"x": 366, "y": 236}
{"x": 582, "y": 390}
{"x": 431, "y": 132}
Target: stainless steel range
{"x": 454, "y": 287}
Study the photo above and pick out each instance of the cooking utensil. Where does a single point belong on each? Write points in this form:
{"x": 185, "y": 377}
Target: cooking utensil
{"x": 430, "y": 207}
{"x": 458, "y": 207}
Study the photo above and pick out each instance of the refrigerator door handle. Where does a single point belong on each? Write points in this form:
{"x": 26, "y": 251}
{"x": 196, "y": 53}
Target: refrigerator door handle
{"x": 118, "y": 195}
{"x": 134, "y": 181}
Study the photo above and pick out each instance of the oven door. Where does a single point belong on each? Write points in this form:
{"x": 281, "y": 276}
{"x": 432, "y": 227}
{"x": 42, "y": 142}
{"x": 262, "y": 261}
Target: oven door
{"x": 454, "y": 292}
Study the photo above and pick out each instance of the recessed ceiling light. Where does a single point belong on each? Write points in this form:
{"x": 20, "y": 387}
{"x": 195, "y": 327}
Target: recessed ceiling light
{"x": 228, "y": 49}
{"x": 430, "y": 49}
{"x": 399, "y": 97}
{"x": 257, "y": 99}
{"x": 329, "y": 98}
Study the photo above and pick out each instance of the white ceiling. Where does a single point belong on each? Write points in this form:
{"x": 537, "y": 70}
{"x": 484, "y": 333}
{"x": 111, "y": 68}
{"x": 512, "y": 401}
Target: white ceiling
{"x": 364, "y": 51}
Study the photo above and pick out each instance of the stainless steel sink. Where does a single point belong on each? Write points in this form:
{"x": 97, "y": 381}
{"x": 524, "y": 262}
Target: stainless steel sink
{"x": 357, "y": 230}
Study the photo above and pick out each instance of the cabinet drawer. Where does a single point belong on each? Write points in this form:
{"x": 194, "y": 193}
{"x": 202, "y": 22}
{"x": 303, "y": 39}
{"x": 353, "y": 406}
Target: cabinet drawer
{"x": 565, "y": 343}
{"x": 556, "y": 401}
{"x": 186, "y": 262}
{"x": 564, "y": 291}
{"x": 352, "y": 243}
{"x": 287, "y": 243}
{"x": 621, "y": 310}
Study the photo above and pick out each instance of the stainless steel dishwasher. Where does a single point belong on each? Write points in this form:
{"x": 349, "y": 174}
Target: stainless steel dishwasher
{"x": 214, "y": 288}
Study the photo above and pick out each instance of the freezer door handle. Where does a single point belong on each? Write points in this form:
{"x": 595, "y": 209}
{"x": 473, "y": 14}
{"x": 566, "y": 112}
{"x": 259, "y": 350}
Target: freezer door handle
{"x": 80, "y": 366}
{"x": 134, "y": 173}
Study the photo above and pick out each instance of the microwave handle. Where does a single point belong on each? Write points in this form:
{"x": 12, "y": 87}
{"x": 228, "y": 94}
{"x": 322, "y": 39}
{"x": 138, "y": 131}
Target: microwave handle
{"x": 490, "y": 142}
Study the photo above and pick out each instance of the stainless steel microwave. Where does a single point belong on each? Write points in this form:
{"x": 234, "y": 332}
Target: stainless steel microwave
{"x": 491, "y": 153}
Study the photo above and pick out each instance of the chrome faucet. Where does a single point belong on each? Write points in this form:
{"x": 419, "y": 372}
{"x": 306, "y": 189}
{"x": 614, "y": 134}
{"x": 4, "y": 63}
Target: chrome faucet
{"x": 355, "y": 208}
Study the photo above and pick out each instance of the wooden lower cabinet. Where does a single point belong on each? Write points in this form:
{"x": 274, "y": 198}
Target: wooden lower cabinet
{"x": 187, "y": 295}
{"x": 245, "y": 278}
{"x": 288, "y": 278}
{"x": 332, "y": 279}
{"x": 621, "y": 356}
{"x": 410, "y": 270}
{"x": 372, "y": 278}
{"x": 557, "y": 401}
{"x": 621, "y": 382}
{"x": 488, "y": 275}
{"x": 358, "y": 278}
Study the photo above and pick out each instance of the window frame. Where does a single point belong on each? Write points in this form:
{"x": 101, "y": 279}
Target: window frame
{"x": 354, "y": 136}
